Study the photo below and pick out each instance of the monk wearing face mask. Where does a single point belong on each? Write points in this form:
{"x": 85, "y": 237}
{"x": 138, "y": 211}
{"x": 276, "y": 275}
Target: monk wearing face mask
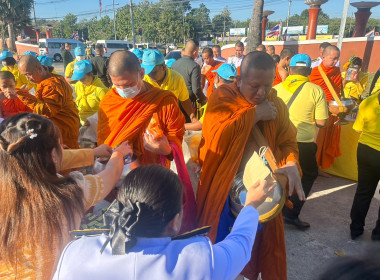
{"x": 132, "y": 105}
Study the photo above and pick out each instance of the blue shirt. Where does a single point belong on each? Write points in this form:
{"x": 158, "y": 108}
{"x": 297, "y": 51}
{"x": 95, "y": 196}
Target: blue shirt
{"x": 162, "y": 258}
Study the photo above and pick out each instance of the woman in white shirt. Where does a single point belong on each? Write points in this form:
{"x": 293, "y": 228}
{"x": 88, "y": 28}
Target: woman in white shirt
{"x": 141, "y": 242}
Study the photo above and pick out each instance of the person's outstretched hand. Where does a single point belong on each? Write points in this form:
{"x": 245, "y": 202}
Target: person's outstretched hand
{"x": 124, "y": 149}
{"x": 103, "y": 151}
{"x": 290, "y": 170}
{"x": 257, "y": 194}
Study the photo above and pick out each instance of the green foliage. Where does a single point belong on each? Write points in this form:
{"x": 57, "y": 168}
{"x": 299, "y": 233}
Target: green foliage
{"x": 69, "y": 25}
{"x": 222, "y": 22}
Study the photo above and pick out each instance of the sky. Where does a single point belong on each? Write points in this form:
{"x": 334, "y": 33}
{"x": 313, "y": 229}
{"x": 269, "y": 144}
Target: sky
{"x": 240, "y": 9}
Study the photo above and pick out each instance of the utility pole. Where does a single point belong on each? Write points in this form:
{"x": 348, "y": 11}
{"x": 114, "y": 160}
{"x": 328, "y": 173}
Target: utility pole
{"x": 114, "y": 18}
{"x": 224, "y": 29}
{"x": 132, "y": 23}
{"x": 287, "y": 20}
{"x": 34, "y": 13}
{"x": 343, "y": 23}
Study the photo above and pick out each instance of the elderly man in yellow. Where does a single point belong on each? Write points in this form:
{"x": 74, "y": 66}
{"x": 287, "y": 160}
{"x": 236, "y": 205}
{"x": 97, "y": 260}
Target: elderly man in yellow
{"x": 89, "y": 90}
{"x": 368, "y": 125}
{"x": 354, "y": 80}
{"x": 9, "y": 64}
{"x": 161, "y": 76}
{"x": 80, "y": 54}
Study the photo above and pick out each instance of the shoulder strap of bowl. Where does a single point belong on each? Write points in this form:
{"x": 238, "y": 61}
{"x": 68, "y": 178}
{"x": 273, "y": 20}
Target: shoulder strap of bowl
{"x": 329, "y": 85}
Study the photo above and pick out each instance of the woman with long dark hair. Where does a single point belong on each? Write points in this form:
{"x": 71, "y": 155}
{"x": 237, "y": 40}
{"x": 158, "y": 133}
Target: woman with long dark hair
{"x": 142, "y": 243}
{"x": 38, "y": 206}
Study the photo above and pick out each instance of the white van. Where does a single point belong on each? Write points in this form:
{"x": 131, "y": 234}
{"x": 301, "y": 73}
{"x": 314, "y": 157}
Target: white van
{"x": 52, "y": 47}
{"x": 111, "y": 46}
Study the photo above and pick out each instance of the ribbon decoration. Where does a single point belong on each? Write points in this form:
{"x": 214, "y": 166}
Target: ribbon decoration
{"x": 121, "y": 219}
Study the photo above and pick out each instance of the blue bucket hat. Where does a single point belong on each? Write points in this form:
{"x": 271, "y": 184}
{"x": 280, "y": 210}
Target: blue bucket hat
{"x": 138, "y": 53}
{"x": 81, "y": 68}
{"x": 151, "y": 58}
{"x": 5, "y": 54}
{"x": 227, "y": 71}
{"x": 45, "y": 60}
{"x": 170, "y": 62}
{"x": 30, "y": 53}
{"x": 79, "y": 51}
{"x": 301, "y": 59}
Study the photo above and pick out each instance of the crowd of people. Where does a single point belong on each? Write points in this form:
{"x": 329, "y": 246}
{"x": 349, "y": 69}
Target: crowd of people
{"x": 156, "y": 225}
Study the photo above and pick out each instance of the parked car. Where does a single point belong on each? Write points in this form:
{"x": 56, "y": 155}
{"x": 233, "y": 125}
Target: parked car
{"x": 110, "y": 46}
{"x": 52, "y": 47}
{"x": 173, "y": 54}
{"x": 161, "y": 49}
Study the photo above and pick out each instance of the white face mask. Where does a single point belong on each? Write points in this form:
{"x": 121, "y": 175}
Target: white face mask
{"x": 4, "y": 63}
{"x": 129, "y": 92}
{"x": 80, "y": 57}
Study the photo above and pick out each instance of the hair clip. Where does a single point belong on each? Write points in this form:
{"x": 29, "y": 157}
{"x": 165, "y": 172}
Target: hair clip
{"x": 31, "y": 134}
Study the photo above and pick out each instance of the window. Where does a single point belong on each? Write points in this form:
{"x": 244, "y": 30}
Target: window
{"x": 42, "y": 45}
{"x": 117, "y": 46}
{"x": 54, "y": 45}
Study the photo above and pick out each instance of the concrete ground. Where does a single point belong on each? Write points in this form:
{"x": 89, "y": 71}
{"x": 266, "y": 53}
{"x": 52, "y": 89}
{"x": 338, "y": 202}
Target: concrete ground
{"x": 58, "y": 67}
{"x": 328, "y": 211}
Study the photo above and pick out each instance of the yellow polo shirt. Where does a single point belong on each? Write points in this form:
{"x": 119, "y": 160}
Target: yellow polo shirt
{"x": 88, "y": 98}
{"x": 368, "y": 121}
{"x": 355, "y": 89}
{"x": 377, "y": 86}
{"x": 309, "y": 105}
{"x": 69, "y": 71}
{"x": 173, "y": 82}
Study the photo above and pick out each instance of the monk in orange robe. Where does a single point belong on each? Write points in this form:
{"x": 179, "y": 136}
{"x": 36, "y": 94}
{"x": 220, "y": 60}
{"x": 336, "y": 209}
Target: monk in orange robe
{"x": 53, "y": 99}
{"x": 329, "y": 137}
{"x": 132, "y": 105}
{"x": 282, "y": 67}
{"x": 208, "y": 70}
{"x": 233, "y": 110}
{"x": 10, "y": 105}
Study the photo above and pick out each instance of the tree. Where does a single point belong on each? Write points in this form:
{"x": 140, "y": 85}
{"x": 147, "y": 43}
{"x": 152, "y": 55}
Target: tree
{"x": 222, "y": 22}
{"x": 199, "y": 21}
{"x": 69, "y": 25}
{"x": 14, "y": 13}
{"x": 255, "y": 32}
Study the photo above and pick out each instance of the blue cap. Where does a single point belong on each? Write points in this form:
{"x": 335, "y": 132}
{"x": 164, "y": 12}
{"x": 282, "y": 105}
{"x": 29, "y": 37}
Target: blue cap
{"x": 138, "y": 53}
{"x": 81, "y": 68}
{"x": 30, "y": 53}
{"x": 45, "y": 60}
{"x": 79, "y": 51}
{"x": 170, "y": 62}
{"x": 227, "y": 71}
{"x": 300, "y": 59}
{"x": 151, "y": 58}
{"x": 5, "y": 54}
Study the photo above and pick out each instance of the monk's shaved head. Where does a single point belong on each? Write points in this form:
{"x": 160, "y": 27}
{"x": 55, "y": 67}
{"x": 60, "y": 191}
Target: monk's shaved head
{"x": 7, "y": 75}
{"x": 29, "y": 62}
{"x": 329, "y": 49}
{"x": 256, "y": 60}
{"x": 286, "y": 52}
{"x": 123, "y": 61}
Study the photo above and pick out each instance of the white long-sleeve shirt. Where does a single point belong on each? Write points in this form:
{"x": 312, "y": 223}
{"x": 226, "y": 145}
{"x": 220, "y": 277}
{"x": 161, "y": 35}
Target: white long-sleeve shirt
{"x": 162, "y": 258}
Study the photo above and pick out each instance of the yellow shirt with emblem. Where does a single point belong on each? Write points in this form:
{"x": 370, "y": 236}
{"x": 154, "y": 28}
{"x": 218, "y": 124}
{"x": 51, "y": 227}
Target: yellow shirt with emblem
{"x": 355, "y": 88}
{"x": 309, "y": 105}
{"x": 69, "y": 71}
{"x": 368, "y": 121}
{"x": 88, "y": 98}
{"x": 173, "y": 82}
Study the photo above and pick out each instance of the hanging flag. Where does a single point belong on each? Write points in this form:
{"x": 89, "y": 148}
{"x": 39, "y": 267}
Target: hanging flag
{"x": 73, "y": 37}
{"x": 100, "y": 5}
{"x": 371, "y": 33}
{"x": 285, "y": 35}
{"x": 275, "y": 31}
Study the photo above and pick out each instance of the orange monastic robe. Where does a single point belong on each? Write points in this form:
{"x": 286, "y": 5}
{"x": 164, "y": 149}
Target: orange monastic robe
{"x": 328, "y": 138}
{"x": 277, "y": 78}
{"x": 11, "y": 107}
{"x": 226, "y": 129}
{"x": 54, "y": 100}
{"x": 122, "y": 119}
{"x": 210, "y": 76}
